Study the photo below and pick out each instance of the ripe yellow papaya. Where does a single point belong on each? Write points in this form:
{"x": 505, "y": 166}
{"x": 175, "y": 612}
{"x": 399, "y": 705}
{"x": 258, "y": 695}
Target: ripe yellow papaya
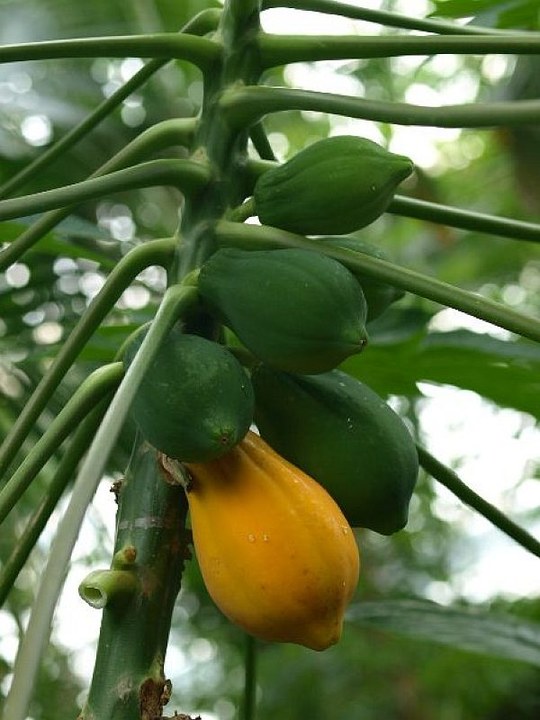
{"x": 276, "y": 553}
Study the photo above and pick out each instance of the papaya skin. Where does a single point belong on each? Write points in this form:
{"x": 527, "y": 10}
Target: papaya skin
{"x": 296, "y": 310}
{"x": 332, "y": 187}
{"x": 344, "y": 435}
{"x": 379, "y": 295}
{"x": 276, "y": 553}
{"x": 195, "y": 401}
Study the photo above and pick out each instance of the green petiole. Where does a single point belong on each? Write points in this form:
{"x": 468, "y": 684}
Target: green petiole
{"x": 383, "y": 17}
{"x": 186, "y": 175}
{"x": 200, "y": 51}
{"x": 451, "y": 481}
{"x": 156, "y": 252}
{"x": 423, "y": 210}
{"x": 257, "y": 237}
{"x": 158, "y": 137}
{"x": 86, "y": 397}
{"x": 63, "y": 475}
{"x": 246, "y": 105}
{"x": 30, "y": 650}
{"x": 277, "y": 50}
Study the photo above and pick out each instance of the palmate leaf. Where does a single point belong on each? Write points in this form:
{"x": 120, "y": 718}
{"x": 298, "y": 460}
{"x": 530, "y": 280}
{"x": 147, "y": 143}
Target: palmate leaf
{"x": 505, "y": 372}
{"x": 497, "y": 635}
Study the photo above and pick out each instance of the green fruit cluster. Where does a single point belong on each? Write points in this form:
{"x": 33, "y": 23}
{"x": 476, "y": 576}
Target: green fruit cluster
{"x": 299, "y": 313}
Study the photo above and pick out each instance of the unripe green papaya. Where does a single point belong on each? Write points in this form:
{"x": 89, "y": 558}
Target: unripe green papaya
{"x": 379, "y": 295}
{"x": 195, "y": 401}
{"x": 334, "y": 186}
{"x": 296, "y": 310}
{"x": 336, "y": 429}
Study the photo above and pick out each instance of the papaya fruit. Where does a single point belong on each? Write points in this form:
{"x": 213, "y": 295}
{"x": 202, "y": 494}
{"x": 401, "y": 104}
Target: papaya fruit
{"x": 195, "y": 401}
{"x": 379, "y": 295}
{"x": 337, "y": 185}
{"x": 275, "y": 551}
{"x": 296, "y": 310}
{"x": 341, "y": 433}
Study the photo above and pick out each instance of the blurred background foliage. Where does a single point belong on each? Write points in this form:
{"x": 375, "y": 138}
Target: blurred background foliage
{"x": 415, "y": 349}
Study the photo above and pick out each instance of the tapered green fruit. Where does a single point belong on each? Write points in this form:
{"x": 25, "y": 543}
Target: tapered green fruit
{"x": 334, "y": 186}
{"x": 195, "y": 401}
{"x": 340, "y": 432}
{"x": 379, "y": 295}
{"x": 296, "y": 310}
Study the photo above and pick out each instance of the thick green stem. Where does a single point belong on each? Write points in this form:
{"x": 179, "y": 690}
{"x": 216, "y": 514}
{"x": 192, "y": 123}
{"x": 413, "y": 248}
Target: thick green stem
{"x": 85, "y": 398}
{"x": 278, "y": 50}
{"x": 253, "y": 236}
{"x": 200, "y": 51}
{"x": 186, "y": 175}
{"x": 158, "y": 137}
{"x": 62, "y": 477}
{"x": 451, "y": 481}
{"x": 245, "y": 105}
{"x": 225, "y": 145}
{"x": 156, "y": 252}
{"x": 382, "y": 17}
{"x": 129, "y": 678}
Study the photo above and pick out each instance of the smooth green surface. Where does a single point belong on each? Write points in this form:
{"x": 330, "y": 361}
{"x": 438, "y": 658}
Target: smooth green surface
{"x": 195, "y": 401}
{"x": 293, "y": 309}
{"x": 344, "y": 435}
{"x": 334, "y": 186}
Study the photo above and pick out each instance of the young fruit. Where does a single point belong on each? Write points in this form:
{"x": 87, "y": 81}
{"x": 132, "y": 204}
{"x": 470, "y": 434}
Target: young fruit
{"x": 296, "y": 310}
{"x": 334, "y": 186}
{"x": 341, "y": 433}
{"x": 379, "y": 295}
{"x": 195, "y": 401}
{"x": 276, "y": 553}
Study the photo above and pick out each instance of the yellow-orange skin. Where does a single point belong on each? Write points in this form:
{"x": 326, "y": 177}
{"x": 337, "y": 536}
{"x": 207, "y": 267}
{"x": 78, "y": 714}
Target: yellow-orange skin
{"x": 276, "y": 553}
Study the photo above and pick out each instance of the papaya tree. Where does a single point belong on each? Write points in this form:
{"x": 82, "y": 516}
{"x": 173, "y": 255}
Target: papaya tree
{"x": 222, "y": 313}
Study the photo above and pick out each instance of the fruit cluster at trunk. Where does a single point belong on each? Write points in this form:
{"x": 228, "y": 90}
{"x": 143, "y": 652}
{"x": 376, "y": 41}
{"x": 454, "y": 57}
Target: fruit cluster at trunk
{"x": 271, "y": 514}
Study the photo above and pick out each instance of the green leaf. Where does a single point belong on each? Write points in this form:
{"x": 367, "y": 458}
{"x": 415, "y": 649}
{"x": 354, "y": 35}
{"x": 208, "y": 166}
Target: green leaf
{"x": 497, "y": 635}
{"x": 74, "y": 238}
{"x": 505, "y": 372}
{"x": 466, "y": 8}
{"x": 523, "y": 14}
